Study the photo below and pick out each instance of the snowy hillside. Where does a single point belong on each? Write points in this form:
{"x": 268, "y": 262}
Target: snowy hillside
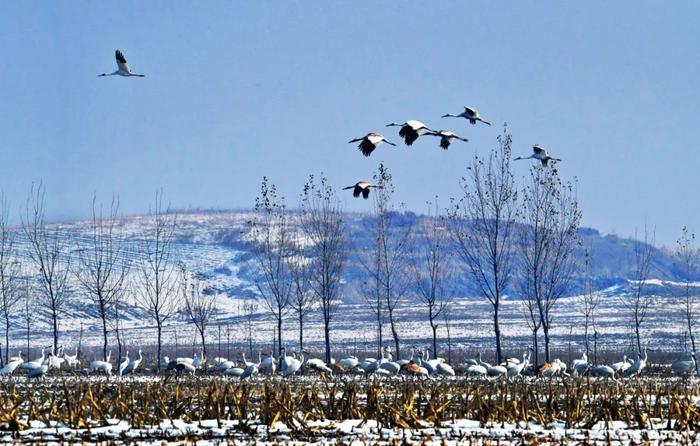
{"x": 217, "y": 246}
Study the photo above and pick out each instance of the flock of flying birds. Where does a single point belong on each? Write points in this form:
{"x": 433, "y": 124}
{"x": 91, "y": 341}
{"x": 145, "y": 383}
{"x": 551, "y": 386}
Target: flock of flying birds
{"x": 409, "y": 131}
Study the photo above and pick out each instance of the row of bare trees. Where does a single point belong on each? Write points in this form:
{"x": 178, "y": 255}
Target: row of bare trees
{"x": 508, "y": 239}
{"x": 300, "y": 256}
{"x": 39, "y": 281}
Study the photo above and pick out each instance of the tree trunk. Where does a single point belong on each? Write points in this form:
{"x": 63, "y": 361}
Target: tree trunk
{"x": 394, "y": 333}
{"x": 55, "y": 330}
{"x": 585, "y": 336}
{"x": 104, "y": 332}
{"x": 380, "y": 337}
{"x": 434, "y": 328}
{"x": 301, "y": 331}
{"x": 279, "y": 333}
{"x": 7, "y": 335}
{"x": 28, "y": 330}
{"x": 545, "y": 330}
{"x": 204, "y": 344}
{"x": 537, "y": 349}
{"x": 497, "y": 331}
{"x": 595, "y": 346}
{"x": 327, "y": 334}
{"x": 159, "y": 328}
{"x": 638, "y": 336}
{"x": 80, "y": 342}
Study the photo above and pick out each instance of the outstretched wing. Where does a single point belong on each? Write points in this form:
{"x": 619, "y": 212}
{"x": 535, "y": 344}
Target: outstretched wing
{"x": 121, "y": 62}
{"x": 357, "y": 191}
{"x": 538, "y": 150}
{"x": 469, "y": 111}
{"x": 410, "y": 135}
{"x": 366, "y": 147}
{"x": 445, "y": 143}
{"x": 365, "y": 193}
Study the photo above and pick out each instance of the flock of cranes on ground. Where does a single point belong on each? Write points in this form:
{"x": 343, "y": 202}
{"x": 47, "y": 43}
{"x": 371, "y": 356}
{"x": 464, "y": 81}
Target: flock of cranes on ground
{"x": 409, "y": 131}
{"x": 419, "y": 364}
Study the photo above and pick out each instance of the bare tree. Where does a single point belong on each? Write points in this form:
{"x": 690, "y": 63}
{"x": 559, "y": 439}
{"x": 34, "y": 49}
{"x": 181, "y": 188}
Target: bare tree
{"x": 432, "y": 271}
{"x": 9, "y": 275}
{"x": 249, "y": 310}
{"x": 50, "y": 254}
{"x": 104, "y": 265}
{"x": 550, "y": 218}
{"x": 28, "y": 304}
{"x": 273, "y": 236}
{"x": 199, "y": 304}
{"x": 323, "y": 225}
{"x": 588, "y": 306}
{"x": 303, "y": 300}
{"x": 159, "y": 294}
{"x": 388, "y": 267}
{"x": 639, "y": 301}
{"x": 482, "y": 223}
{"x": 119, "y": 305}
{"x": 687, "y": 257}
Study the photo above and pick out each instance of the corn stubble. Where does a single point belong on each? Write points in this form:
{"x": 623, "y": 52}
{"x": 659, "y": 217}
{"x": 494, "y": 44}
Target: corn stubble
{"x": 582, "y": 403}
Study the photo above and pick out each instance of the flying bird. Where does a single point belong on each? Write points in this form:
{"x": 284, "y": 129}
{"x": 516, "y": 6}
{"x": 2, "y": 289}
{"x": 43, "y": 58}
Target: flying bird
{"x": 446, "y": 137}
{"x": 538, "y": 153}
{"x": 470, "y": 114}
{"x": 370, "y": 142}
{"x": 410, "y": 130}
{"x": 362, "y": 187}
{"x": 122, "y": 67}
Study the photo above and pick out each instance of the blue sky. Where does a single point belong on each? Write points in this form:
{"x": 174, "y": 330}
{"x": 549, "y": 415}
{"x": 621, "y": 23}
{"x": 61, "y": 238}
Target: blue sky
{"x": 238, "y": 90}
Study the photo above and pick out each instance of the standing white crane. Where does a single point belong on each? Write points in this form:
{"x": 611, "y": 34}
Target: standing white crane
{"x": 269, "y": 364}
{"x": 446, "y": 137}
{"x": 369, "y": 142}
{"x": 410, "y": 130}
{"x": 622, "y": 366}
{"x": 362, "y": 187}
{"x": 122, "y": 67}
{"x": 469, "y": 114}
{"x": 133, "y": 364}
{"x": 540, "y": 154}
{"x": 72, "y": 360}
{"x": 245, "y": 362}
{"x": 579, "y": 366}
{"x": 553, "y": 368}
{"x": 11, "y": 366}
{"x": 685, "y": 367}
{"x": 517, "y": 369}
{"x": 38, "y": 362}
{"x": 104, "y": 366}
{"x": 250, "y": 370}
{"x": 123, "y": 365}
{"x": 290, "y": 365}
{"x": 639, "y": 365}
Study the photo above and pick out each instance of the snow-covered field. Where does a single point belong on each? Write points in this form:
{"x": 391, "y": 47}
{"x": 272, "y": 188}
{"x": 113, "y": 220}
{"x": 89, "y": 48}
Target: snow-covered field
{"x": 354, "y": 432}
{"x": 214, "y": 245}
{"x": 270, "y": 411}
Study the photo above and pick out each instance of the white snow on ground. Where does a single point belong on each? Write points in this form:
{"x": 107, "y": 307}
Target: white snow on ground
{"x": 345, "y": 431}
